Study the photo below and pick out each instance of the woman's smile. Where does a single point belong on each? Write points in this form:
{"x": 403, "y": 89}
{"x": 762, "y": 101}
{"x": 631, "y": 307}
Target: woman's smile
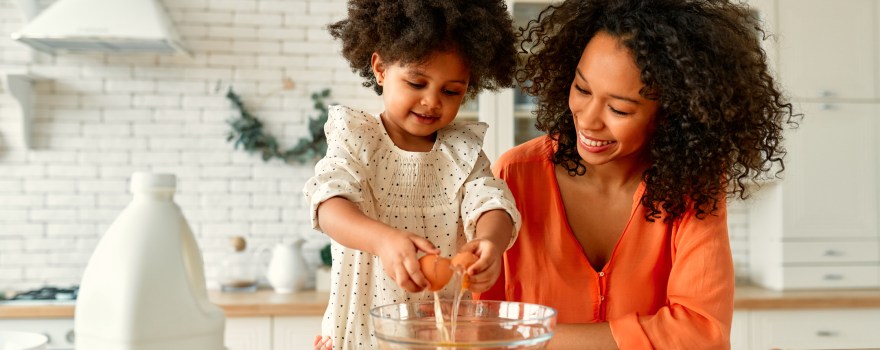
{"x": 594, "y": 145}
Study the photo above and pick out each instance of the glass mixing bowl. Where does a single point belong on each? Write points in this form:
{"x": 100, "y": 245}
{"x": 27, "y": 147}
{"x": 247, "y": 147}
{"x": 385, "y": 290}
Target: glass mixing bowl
{"x": 481, "y": 325}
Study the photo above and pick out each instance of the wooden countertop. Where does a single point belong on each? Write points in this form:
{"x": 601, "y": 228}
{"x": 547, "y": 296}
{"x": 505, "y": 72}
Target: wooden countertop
{"x": 311, "y": 303}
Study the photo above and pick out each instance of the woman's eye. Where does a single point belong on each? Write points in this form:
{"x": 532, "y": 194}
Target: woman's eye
{"x": 615, "y": 111}
{"x": 579, "y": 89}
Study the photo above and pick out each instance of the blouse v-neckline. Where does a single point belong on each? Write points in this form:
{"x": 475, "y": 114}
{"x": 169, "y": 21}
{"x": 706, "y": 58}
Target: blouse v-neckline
{"x": 569, "y": 232}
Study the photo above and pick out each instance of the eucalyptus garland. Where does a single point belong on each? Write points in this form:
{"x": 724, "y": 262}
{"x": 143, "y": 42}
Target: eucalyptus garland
{"x": 247, "y": 132}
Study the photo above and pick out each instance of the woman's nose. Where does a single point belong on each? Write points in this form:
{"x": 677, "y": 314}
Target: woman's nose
{"x": 589, "y": 115}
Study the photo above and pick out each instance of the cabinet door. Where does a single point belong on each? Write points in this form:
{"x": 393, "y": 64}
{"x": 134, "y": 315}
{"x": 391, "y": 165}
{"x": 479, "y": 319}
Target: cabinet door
{"x": 295, "y": 332}
{"x": 815, "y": 329}
{"x": 830, "y": 179}
{"x": 739, "y": 331}
{"x": 827, "y": 48}
{"x": 248, "y": 333}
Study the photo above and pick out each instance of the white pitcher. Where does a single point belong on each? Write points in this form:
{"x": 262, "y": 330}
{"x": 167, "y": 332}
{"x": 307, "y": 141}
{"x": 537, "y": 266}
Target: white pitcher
{"x": 288, "y": 272}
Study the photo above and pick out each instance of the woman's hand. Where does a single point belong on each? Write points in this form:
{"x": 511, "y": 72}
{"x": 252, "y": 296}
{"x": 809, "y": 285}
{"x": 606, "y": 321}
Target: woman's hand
{"x": 397, "y": 251}
{"x": 483, "y": 273}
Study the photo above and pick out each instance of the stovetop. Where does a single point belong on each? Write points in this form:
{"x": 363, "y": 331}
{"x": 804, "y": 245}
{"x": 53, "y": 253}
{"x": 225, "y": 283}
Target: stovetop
{"x": 44, "y": 296}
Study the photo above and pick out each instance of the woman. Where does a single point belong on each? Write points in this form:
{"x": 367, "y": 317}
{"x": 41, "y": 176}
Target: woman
{"x": 654, "y": 111}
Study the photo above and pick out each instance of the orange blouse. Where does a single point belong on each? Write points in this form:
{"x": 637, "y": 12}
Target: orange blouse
{"x": 666, "y": 285}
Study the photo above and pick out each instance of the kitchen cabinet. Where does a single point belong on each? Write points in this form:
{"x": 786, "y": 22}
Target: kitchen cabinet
{"x": 817, "y": 227}
{"x": 271, "y": 332}
{"x": 248, "y": 333}
{"x": 58, "y": 330}
{"x": 295, "y": 332}
{"x": 829, "y": 56}
{"x": 815, "y": 329}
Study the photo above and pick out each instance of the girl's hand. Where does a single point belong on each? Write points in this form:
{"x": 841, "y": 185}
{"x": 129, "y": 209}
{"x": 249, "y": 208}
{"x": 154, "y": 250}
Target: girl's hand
{"x": 397, "y": 252}
{"x": 483, "y": 273}
{"x": 323, "y": 343}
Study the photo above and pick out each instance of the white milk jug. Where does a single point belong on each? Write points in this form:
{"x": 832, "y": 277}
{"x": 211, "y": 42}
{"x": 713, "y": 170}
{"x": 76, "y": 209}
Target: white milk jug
{"x": 144, "y": 286}
{"x": 287, "y": 272}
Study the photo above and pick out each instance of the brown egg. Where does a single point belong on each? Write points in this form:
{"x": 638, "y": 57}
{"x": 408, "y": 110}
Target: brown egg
{"x": 436, "y": 269}
{"x": 464, "y": 259}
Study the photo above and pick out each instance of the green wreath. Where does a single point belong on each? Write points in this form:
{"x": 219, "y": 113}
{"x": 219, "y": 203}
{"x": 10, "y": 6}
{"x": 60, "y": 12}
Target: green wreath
{"x": 247, "y": 132}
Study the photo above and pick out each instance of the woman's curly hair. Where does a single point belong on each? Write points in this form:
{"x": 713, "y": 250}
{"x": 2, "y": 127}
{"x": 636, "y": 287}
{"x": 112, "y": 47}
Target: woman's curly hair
{"x": 410, "y": 31}
{"x": 721, "y": 116}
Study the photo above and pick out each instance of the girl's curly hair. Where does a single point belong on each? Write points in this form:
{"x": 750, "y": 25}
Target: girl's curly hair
{"x": 410, "y": 31}
{"x": 721, "y": 117}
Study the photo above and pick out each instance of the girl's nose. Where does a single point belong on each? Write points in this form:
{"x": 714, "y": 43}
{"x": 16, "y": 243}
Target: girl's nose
{"x": 431, "y": 100}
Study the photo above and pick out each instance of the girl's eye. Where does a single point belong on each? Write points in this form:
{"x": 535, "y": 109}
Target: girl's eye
{"x": 451, "y": 93}
{"x": 582, "y": 91}
{"x": 415, "y": 85}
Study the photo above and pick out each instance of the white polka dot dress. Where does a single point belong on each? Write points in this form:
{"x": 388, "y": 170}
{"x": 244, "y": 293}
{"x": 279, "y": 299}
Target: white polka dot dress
{"x": 438, "y": 194}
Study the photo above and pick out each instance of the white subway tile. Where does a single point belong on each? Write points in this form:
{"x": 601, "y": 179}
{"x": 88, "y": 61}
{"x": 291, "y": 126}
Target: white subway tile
{"x": 103, "y": 186}
{"x": 59, "y": 230}
{"x": 14, "y": 216}
{"x": 49, "y": 185}
{"x": 8, "y": 186}
{"x": 231, "y": 172}
{"x": 29, "y": 200}
{"x": 72, "y": 171}
{"x": 256, "y": 47}
{"x": 232, "y": 32}
{"x": 258, "y": 19}
{"x": 130, "y": 85}
{"x": 54, "y": 215}
{"x": 58, "y": 200}
{"x": 81, "y": 115}
{"x": 153, "y": 158}
{"x": 107, "y": 100}
{"x": 297, "y": 47}
{"x": 20, "y": 229}
{"x": 233, "y": 5}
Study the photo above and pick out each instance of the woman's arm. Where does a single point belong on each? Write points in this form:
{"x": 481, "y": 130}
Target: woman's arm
{"x": 582, "y": 336}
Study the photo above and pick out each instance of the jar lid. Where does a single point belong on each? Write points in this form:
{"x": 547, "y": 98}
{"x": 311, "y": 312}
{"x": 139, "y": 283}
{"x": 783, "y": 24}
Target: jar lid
{"x": 144, "y": 181}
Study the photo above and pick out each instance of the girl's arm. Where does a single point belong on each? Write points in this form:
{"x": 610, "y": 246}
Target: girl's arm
{"x": 344, "y": 222}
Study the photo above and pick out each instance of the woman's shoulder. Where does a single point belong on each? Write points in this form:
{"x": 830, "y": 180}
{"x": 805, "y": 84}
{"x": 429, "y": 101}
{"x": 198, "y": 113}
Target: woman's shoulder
{"x": 536, "y": 150}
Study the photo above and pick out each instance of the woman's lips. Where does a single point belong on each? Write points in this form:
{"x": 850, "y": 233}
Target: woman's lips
{"x": 592, "y": 145}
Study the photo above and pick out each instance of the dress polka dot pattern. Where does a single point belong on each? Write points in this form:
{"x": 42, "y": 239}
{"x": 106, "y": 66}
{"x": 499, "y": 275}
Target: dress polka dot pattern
{"x": 437, "y": 194}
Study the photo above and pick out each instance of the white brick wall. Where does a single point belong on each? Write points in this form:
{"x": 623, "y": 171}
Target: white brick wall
{"x": 101, "y": 117}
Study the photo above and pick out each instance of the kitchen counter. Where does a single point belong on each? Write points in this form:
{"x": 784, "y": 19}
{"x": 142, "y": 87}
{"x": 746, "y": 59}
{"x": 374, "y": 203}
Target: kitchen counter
{"x": 311, "y": 303}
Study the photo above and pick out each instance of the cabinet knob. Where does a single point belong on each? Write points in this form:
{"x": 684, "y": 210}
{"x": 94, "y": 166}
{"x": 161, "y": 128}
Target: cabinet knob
{"x": 832, "y": 277}
{"x": 832, "y": 252}
{"x": 826, "y": 107}
{"x": 826, "y": 333}
{"x": 826, "y": 93}
{"x": 48, "y": 337}
{"x": 71, "y": 337}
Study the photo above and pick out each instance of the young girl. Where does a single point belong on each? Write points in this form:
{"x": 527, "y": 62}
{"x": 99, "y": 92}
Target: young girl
{"x": 654, "y": 111}
{"x": 410, "y": 180}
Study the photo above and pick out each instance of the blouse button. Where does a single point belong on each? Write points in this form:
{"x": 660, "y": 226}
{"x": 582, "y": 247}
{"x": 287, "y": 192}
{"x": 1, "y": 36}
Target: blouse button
{"x": 601, "y": 274}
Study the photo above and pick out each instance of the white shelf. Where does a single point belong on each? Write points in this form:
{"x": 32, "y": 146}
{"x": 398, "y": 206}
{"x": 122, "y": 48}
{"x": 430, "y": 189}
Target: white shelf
{"x": 20, "y": 86}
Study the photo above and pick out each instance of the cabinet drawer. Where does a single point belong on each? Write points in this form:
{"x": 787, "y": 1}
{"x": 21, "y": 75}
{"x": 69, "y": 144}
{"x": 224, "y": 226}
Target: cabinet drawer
{"x": 831, "y": 252}
{"x": 815, "y": 329}
{"x": 802, "y": 277}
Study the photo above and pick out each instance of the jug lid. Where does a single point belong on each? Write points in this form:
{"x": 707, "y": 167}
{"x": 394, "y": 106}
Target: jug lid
{"x": 145, "y": 181}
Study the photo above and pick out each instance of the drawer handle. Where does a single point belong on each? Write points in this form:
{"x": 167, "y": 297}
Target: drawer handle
{"x": 832, "y": 277}
{"x": 48, "y": 338}
{"x": 832, "y": 252}
{"x": 826, "y": 333}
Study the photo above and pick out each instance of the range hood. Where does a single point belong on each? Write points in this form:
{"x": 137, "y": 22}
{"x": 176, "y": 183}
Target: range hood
{"x": 110, "y": 26}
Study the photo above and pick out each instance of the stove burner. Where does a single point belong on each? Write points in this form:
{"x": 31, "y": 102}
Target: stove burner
{"x": 48, "y": 293}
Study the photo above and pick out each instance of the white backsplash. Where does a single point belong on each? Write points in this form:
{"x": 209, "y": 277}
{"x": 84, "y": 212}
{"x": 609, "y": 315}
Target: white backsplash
{"x": 100, "y": 117}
